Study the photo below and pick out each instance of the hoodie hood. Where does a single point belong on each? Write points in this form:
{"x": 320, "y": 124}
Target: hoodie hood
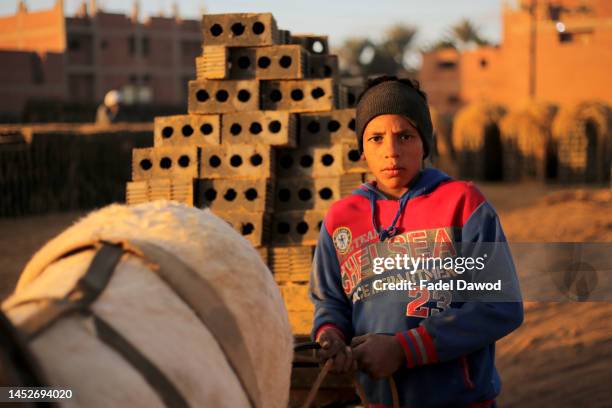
{"x": 426, "y": 181}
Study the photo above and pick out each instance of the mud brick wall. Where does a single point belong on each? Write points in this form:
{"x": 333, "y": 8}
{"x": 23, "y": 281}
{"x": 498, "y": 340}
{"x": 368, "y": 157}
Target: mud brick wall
{"x": 50, "y": 168}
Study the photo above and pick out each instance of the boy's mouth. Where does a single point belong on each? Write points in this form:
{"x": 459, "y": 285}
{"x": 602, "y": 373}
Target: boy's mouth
{"x": 392, "y": 170}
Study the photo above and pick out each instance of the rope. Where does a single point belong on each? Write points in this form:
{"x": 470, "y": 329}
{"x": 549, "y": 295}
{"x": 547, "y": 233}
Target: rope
{"x": 315, "y": 387}
{"x": 358, "y": 387}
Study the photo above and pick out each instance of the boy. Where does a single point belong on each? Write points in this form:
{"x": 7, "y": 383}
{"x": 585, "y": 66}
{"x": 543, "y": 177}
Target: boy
{"x": 441, "y": 352}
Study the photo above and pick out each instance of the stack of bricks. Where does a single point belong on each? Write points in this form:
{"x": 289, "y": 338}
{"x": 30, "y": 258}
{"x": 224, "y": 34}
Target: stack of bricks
{"x": 268, "y": 144}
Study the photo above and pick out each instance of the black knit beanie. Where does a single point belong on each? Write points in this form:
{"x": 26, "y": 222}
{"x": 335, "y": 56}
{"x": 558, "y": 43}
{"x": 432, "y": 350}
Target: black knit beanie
{"x": 394, "y": 97}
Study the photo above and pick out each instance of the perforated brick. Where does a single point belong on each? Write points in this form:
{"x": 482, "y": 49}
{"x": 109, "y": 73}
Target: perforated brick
{"x": 213, "y": 64}
{"x": 274, "y": 128}
{"x": 323, "y": 66}
{"x": 307, "y": 95}
{"x": 180, "y": 130}
{"x": 337, "y": 126}
{"x": 274, "y": 62}
{"x": 223, "y": 96}
{"x": 348, "y": 95}
{"x": 165, "y": 162}
{"x": 255, "y": 195}
{"x": 180, "y": 190}
{"x": 238, "y": 161}
{"x": 297, "y": 227}
{"x": 284, "y": 36}
{"x": 240, "y": 29}
{"x": 313, "y": 193}
{"x": 254, "y": 226}
{"x": 351, "y": 159}
{"x": 316, "y": 44}
{"x": 312, "y": 161}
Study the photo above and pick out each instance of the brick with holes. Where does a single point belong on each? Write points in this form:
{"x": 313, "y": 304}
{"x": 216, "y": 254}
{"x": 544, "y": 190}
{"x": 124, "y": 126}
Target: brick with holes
{"x": 196, "y": 130}
{"x": 310, "y": 161}
{"x": 323, "y": 66}
{"x": 299, "y": 95}
{"x": 348, "y": 94}
{"x": 235, "y": 194}
{"x": 305, "y": 193}
{"x": 176, "y": 189}
{"x": 296, "y": 227}
{"x": 213, "y": 63}
{"x": 351, "y": 159}
{"x": 337, "y": 126}
{"x": 284, "y": 36}
{"x": 253, "y": 226}
{"x": 274, "y": 128}
{"x": 240, "y": 29}
{"x": 316, "y": 44}
{"x": 165, "y": 162}
{"x": 237, "y": 161}
{"x": 274, "y": 62}
{"x": 223, "y": 96}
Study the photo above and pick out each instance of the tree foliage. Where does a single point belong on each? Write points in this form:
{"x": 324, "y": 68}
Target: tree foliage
{"x": 362, "y": 56}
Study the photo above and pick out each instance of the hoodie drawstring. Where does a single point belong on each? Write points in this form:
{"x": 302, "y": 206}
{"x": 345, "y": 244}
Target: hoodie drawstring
{"x": 391, "y": 230}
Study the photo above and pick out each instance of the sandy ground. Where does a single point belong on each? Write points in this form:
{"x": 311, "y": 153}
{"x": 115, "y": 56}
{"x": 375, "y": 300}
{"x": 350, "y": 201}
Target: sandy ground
{"x": 21, "y": 237}
{"x": 561, "y": 356}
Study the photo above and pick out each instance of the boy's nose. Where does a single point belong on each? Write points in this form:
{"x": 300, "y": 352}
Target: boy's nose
{"x": 391, "y": 146}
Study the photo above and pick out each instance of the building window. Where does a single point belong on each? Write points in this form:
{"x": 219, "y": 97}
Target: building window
{"x": 483, "y": 63}
{"x": 74, "y": 45}
{"x": 447, "y": 65}
{"x": 453, "y": 99}
{"x": 145, "y": 46}
{"x": 554, "y": 12}
{"x": 133, "y": 79}
{"x": 577, "y": 37}
{"x": 132, "y": 45}
{"x": 103, "y": 44}
{"x": 146, "y": 78}
{"x": 38, "y": 76}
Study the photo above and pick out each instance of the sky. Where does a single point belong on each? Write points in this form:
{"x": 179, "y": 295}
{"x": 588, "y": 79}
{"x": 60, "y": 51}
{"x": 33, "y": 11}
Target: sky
{"x": 339, "y": 19}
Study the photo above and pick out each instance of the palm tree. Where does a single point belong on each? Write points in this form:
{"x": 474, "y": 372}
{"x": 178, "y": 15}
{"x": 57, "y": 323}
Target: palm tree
{"x": 466, "y": 34}
{"x": 386, "y": 56}
{"x": 398, "y": 39}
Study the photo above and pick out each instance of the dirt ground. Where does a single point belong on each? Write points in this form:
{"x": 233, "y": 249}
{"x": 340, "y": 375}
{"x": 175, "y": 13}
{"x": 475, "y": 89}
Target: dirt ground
{"x": 562, "y": 354}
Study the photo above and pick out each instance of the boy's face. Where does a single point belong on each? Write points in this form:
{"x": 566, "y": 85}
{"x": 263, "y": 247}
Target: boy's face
{"x": 394, "y": 152}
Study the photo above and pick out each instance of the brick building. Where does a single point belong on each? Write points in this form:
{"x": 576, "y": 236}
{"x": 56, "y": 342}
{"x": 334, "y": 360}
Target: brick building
{"x": 45, "y": 55}
{"x": 552, "y": 50}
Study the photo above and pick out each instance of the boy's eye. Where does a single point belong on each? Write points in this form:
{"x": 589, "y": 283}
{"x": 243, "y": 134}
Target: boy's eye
{"x": 407, "y": 136}
{"x": 375, "y": 138}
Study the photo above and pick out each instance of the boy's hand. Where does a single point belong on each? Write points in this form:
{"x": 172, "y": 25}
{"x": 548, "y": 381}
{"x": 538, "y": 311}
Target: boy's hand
{"x": 378, "y": 355}
{"x": 334, "y": 347}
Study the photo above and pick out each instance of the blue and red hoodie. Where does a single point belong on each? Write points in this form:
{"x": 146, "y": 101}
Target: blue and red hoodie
{"x": 449, "y": 345}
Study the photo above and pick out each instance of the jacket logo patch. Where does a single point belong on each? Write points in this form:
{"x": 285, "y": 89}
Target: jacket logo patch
{"x": 342, "y": 239}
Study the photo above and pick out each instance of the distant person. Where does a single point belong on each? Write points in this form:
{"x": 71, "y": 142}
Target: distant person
{"x": 111, "y": 110}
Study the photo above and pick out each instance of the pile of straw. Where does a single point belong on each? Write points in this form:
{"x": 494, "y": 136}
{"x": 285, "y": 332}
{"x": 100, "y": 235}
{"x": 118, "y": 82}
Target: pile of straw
{"x": 576, "y": 163}
{"x": 471, "y": 123}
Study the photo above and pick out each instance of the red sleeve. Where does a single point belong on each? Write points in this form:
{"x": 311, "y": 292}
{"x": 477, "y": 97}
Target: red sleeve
{"x": 418, "y": 347}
